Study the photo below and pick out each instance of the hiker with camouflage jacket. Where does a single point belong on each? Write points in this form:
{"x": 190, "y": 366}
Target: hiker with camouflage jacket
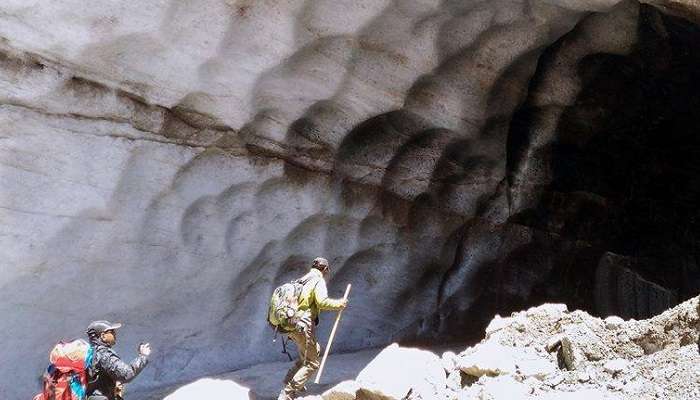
{"x": 313, "y": 299}
{"x": 108, "y": 372}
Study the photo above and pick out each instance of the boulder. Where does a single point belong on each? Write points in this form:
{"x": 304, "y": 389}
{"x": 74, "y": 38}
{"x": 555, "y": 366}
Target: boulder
{"x": 493, "y": 359}
{"x": 396, "y": 371}
{"x": 504, "y": 388}
{"x": 208, "y": 388}
{"x": 345, "y": 390}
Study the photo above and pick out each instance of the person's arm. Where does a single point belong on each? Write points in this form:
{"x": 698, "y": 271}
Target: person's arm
{"x": 120, "y": 371}
{"x": 325, "y": 303}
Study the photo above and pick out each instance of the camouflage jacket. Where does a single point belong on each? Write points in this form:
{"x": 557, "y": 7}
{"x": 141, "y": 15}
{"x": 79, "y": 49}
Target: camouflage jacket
{"x": 107, "y": 369}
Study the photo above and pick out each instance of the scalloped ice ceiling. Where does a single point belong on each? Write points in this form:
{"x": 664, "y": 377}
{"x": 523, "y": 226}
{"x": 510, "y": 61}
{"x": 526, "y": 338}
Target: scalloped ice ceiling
{"x": 167, "y": 163}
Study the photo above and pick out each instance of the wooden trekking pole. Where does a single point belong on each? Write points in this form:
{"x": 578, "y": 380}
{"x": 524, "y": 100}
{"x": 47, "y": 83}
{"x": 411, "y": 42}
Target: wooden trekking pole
{"x": 330, "y": 339}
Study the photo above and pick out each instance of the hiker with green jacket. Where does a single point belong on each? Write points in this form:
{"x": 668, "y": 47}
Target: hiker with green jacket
{"x": 313, "y": 299}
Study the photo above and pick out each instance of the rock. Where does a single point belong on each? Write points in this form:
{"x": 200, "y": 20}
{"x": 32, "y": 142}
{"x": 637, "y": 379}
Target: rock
{"x": 587, "y": 340}
{"x": 496, "y": 324}
{"x": 520, "y": 323}
{"x": 345, "y": 390}
{"x": 616, "y": 366}
{"x": 613, "y": 322}
{"x": 534, "y": 384}
{"x": 493, "y": 359}
{"x": 581, "y": 394}
{"x": 548, "y": 311}
{"x": 639, "y": 388}
{"x": 449, "y": 361}
{"x": 503, "y": 388}
{"x": 553, "y": 343}
{"x": 554, "y": 380}
{"x": 470, "y": 393}
{"x": 397, "y": 370}
{"x": 567, "y": 354}
{"x": 571, "y": 378}
{"x": 208, "y": 388}
{"x": 454, "y": 381}
{"x": 583, "y": 376}
{"x": 660, "y": 393}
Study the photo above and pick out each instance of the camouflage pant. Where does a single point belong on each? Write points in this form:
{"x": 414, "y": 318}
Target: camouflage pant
{"x": 308, "y": 362}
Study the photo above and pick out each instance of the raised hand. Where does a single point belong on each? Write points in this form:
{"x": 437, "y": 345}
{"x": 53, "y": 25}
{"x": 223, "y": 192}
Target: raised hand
{"x": 145, "y": 349}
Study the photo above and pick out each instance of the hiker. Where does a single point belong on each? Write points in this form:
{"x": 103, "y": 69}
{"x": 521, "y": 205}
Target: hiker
{"x": 108, "y": 373}
{"x": 313, "y": 299}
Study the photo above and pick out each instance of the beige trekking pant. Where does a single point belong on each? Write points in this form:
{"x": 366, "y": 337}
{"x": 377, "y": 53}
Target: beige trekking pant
{"x": 308, "y": 362}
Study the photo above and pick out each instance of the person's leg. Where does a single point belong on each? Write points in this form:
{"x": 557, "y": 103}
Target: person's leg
{"x": 292, "y": 371}
{"x": 288, "y": 390}
{"x": 310, "y": 355}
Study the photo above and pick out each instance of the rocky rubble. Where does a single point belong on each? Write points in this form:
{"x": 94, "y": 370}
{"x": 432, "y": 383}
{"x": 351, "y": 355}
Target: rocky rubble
{"x": 546, "y": 352}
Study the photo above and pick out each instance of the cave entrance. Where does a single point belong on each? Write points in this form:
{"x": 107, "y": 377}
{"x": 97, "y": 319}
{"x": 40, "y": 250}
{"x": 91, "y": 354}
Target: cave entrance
{"x": 625, "y": 175}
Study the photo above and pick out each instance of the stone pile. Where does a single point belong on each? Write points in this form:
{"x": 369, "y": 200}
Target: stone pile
{"x": 546, "y": 352}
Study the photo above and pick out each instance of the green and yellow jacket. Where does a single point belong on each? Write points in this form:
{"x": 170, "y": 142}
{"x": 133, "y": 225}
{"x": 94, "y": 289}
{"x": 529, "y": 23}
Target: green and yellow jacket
{"x": 314, "y": 295}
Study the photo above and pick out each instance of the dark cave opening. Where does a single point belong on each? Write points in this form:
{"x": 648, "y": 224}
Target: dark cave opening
{"x": 615, "y": 230}
{"x": 612, "y": 228}
{"x": 624, "y": 177}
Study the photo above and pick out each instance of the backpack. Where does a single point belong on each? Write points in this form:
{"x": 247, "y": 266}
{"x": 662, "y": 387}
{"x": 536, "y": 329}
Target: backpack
{"x": 66, "y": 377}
{"x": 284, "y": 304}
